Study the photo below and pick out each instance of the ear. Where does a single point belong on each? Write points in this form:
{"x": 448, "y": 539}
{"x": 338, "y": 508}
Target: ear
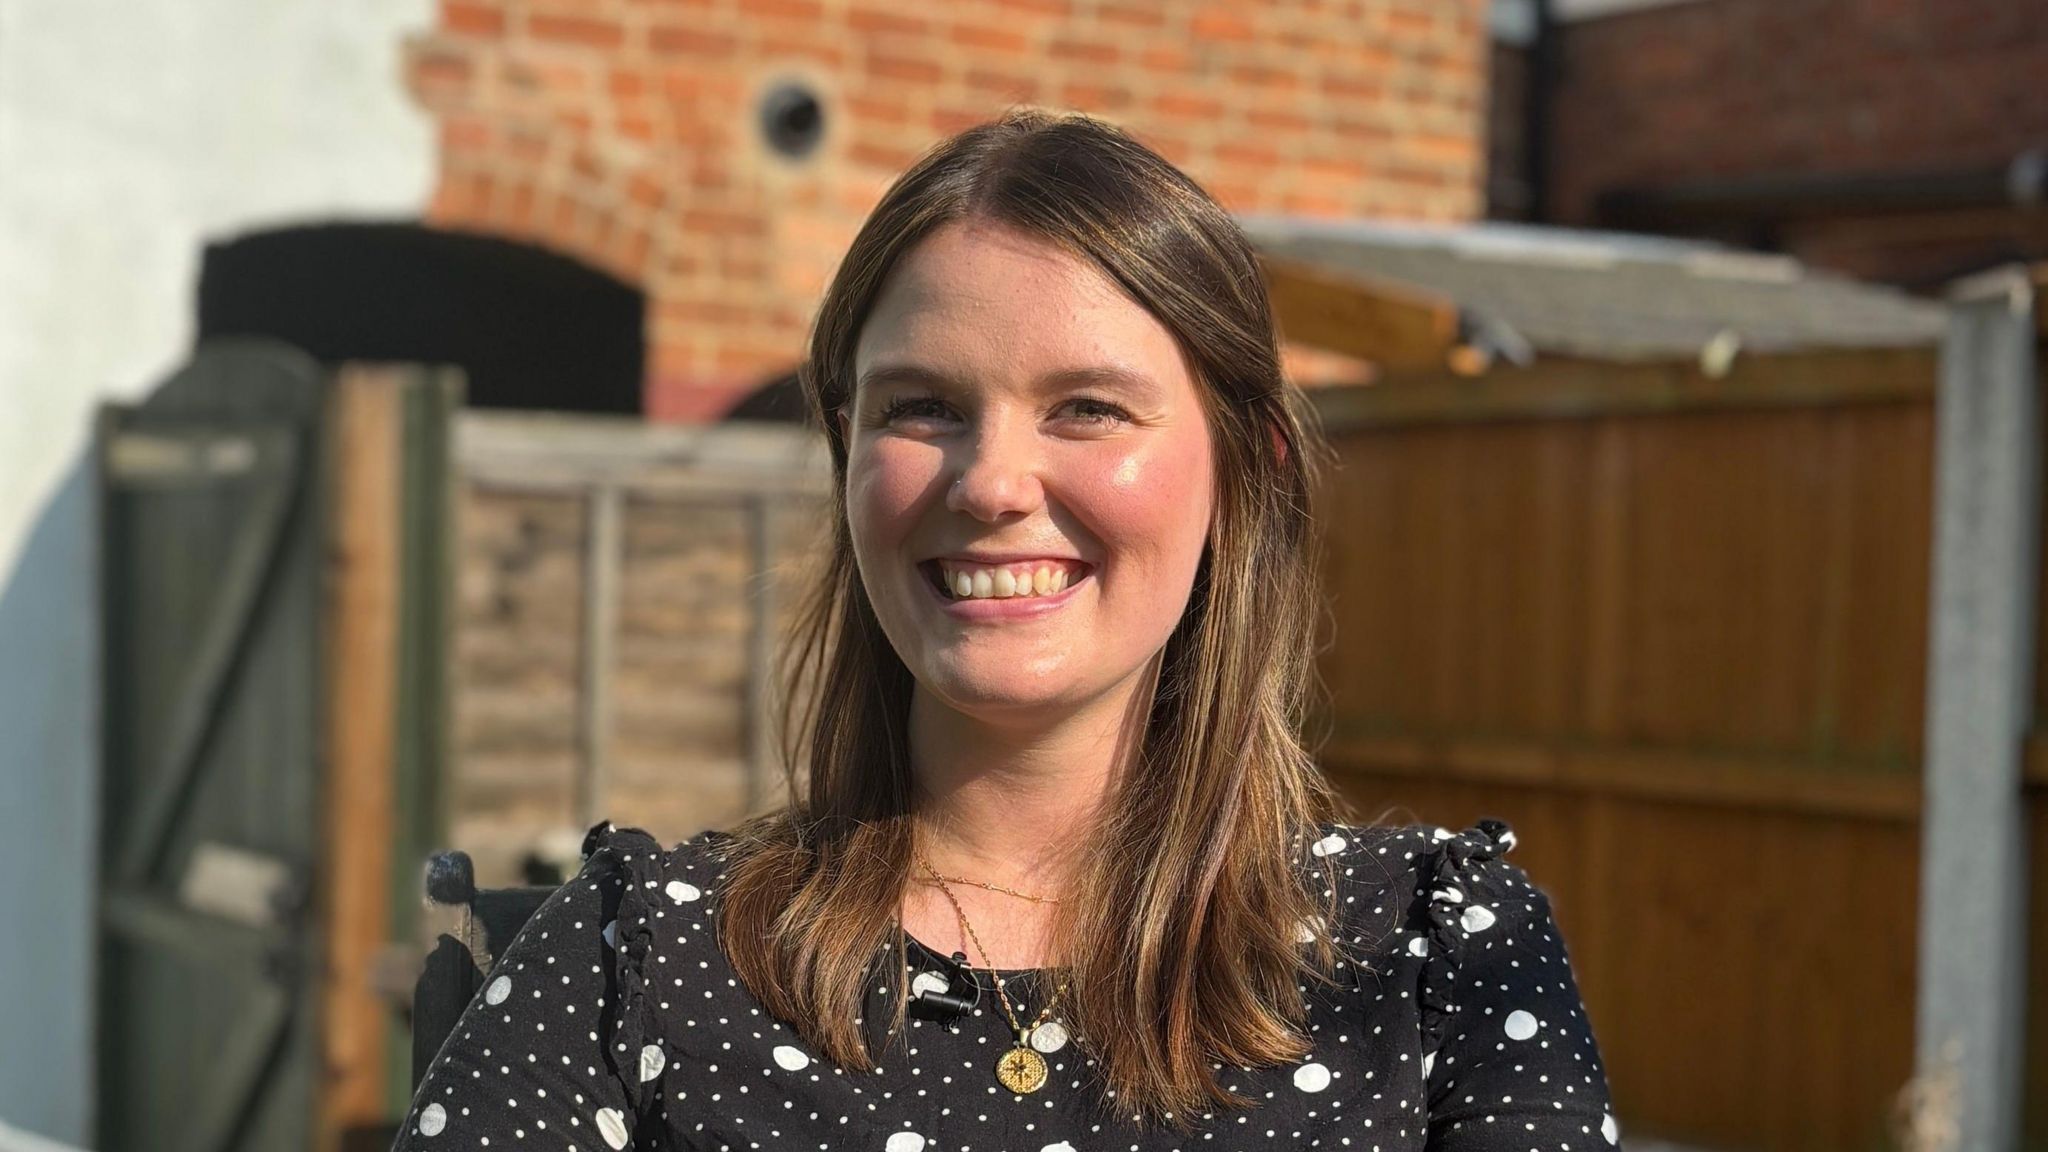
{"x": 839, "y": 414}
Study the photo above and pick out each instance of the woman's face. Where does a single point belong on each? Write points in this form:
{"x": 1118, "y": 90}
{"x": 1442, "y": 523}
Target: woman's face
{"x": 1026, "y": 435}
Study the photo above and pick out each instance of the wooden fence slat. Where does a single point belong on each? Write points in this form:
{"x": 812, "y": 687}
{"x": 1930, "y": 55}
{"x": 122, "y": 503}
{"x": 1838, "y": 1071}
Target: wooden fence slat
{"x": 1670, "y": 776}
{"x": 358, "y": 807}
{"x": 603, "y": 544}
{"x": 1560, "y": 388}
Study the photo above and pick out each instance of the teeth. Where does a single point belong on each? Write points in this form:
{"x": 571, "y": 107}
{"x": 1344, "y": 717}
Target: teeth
{"x": 1003, "y": 583}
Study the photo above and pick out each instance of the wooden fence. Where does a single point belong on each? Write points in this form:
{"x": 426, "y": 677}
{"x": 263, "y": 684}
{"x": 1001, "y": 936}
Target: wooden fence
{"x": 619, "y": 589}
{"x": 1674, "y": 630}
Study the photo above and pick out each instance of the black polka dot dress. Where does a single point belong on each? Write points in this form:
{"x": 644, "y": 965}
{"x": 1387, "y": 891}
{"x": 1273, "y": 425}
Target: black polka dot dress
{"x": 613, "y": 1021}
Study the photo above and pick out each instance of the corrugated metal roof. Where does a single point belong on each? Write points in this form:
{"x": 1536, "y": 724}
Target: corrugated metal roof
{"x": 1609, "y": 295}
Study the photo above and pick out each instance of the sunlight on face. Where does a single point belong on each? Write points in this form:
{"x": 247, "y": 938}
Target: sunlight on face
{"x": 1017, "y": 416}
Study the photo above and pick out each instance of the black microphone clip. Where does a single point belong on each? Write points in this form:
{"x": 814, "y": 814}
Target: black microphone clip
{"x": 962, "y": 993}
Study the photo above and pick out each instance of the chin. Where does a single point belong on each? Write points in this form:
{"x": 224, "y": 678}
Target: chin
{"x": 999, "y": 688}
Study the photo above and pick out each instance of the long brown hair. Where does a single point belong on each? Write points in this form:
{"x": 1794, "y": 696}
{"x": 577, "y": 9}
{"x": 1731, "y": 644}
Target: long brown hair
{"x": 1195, "y": 958}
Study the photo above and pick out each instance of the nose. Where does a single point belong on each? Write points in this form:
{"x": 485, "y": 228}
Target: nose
{"x": 998, "y": 473}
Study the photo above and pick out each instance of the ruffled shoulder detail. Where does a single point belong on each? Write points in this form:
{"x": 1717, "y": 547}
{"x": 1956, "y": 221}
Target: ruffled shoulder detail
{"x": 1448, "y": 874}
{"x": 631, "y": 861}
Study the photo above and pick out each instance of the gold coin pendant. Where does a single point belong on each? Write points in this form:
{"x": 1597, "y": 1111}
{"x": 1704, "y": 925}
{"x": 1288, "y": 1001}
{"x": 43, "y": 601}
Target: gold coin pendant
{"x": 1021, "y": 1070}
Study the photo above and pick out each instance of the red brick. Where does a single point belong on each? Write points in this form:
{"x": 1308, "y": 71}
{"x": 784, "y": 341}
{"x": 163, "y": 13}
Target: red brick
{"x": 1166, "y": 58}
{"x": 948, "y": 121}
{"x": 1187, "y": 105}
{"x": 803, "y": 48}
{"x": 721, "y": 223}
{"x": 647, "y": 190}
{"x": 472, "y": 19}
{"x": 636, "y": 126}
{"x": 627, "y": 83}
{"x": 1096, "y": 97}
{"x": 806, "y": 11}
{"x": 1074, "y": 50}
{"x": 466, "y": 134}
{"x": 689, "y": 40}
{"x": 884, "y": 20}
{"x": 1139, "y": 14}
{"x": 1221, "y": 22}
{"x": 872, "y": 110}
{"x": 1058, "y": 8}
{"x": 874, "y": 154}
{"x": 578, "y": 30}
{"x": 991, "y": 39}
{"x": 1022, "y": 86}
{"x": 913, "y": 69}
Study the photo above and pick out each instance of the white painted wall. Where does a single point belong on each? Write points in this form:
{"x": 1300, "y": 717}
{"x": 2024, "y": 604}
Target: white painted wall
{"x": 131, "y": 133}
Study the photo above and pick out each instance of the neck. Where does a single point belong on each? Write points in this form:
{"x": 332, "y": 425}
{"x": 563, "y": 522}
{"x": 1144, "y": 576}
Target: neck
{"x": 1010, "y": 802}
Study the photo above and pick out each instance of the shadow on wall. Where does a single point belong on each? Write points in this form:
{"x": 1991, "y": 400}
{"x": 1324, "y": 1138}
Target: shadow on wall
{"x": 47, "y": 838}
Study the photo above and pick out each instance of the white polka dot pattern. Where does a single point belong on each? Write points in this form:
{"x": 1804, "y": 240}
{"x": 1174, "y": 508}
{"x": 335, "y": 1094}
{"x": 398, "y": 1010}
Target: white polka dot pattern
{"x": 613, "y": 1021}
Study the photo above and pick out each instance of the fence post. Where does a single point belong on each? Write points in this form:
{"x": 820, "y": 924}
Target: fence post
{"x": 1970, "y": 1035}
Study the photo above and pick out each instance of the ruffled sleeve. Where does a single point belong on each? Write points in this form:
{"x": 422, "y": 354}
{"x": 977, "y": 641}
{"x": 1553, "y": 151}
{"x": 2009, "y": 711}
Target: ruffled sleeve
{"x": 632, "y": 860}
{"x": 1509, "y": 1058}
{"x": 560, "y": 1043}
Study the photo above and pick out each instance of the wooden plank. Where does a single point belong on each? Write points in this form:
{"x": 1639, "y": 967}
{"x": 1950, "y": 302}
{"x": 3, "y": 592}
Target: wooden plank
{"x": 359, "y": 808}
{"x": 205, "y": 683}
{"x": 2039, "y": 275}
{"x": 760, "y": 687}
{"x": 603, "y": 546}
{"x": 1774, "y": 784}
{"x": 1393, "y": 326}
{"x": 560, "y": 451}
{"x": 1556, "y": 388}
{"x": 421, "y": 751}
{"x": 245, "y": 1060}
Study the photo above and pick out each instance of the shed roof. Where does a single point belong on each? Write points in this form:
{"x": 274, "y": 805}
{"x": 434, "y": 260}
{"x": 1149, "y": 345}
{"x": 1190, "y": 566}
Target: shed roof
{"x": 1520, "y": 290}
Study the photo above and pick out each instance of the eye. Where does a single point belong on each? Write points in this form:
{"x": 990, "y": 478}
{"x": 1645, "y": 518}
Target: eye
{"x": 1097, "y": 413}
{"x": 913, "y": 405}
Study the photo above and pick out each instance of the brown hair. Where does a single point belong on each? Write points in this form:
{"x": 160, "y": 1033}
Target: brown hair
{"x": 1196, "y": 958}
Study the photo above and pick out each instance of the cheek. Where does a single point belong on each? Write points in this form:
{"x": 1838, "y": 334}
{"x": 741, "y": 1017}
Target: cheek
{"x": 886, "y": 484}
{"x": 1157, "y": 502}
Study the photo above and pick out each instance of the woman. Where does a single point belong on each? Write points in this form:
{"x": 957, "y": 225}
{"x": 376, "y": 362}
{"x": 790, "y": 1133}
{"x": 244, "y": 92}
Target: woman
{"x": 1060, "y": 875}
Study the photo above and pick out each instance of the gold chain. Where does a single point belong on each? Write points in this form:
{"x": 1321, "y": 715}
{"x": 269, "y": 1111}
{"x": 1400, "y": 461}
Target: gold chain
{"x": 935, "y": 878}
{"x": 1002, "y": 994}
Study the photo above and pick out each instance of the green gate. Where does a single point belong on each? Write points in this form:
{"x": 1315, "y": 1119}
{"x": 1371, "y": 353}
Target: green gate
{"x": 216, "y": 576}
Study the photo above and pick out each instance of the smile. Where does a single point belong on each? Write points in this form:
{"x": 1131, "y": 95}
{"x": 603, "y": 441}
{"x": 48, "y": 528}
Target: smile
{"x": 1017, "y": 588}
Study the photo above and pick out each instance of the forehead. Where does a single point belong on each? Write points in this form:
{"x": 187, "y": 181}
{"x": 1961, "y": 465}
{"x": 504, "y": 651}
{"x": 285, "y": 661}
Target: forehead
{"x": 987, "y": 299}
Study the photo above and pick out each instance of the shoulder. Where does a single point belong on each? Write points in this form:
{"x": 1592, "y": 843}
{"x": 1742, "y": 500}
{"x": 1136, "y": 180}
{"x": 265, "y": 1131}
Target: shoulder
{"x": 678, "y": 874}
{"x": 1408, "y": 856}
{"x": 1414, "y": 886}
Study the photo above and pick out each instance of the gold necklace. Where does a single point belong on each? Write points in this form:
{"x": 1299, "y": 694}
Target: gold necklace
{"x": 1021, "y": 1069}
{"x": 935, "y": 878}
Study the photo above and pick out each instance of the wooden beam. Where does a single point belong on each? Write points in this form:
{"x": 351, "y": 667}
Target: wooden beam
{"x": 603, "y": 555}
{"x": 2039, "y": 274}
{"x": 1775, "y": 784}
{"x": 1394, "y": 326}
{"x": 357, "y": 814}
{"x": 1559, "y": 389}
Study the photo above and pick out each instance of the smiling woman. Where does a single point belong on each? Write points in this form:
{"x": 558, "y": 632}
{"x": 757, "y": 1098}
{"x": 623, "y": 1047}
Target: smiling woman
{"x": 1058, "y": 872}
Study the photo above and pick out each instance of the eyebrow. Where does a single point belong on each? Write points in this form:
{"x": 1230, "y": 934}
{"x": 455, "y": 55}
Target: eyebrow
{"x": 1103, "y": 375}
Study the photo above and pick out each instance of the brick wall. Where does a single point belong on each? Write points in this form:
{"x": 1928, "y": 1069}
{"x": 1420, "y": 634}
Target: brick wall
{"x": 1737, "y": 88}
{"x": 624, "y": 132}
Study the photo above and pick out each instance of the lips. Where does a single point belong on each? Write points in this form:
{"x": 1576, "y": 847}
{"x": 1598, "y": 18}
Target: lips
{"x": 957, "y": 579}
